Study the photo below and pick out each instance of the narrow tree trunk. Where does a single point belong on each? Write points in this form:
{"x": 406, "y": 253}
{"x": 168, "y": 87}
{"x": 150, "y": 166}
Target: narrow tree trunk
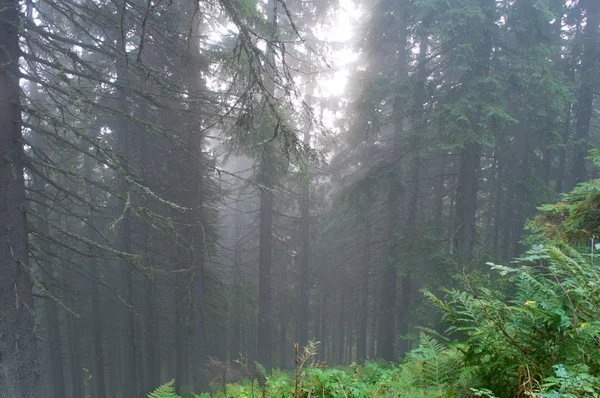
{"x": 73, "y": 337}
{"x": 323, "y": 328}
{"x": 363, "y": 309}
{"x": 340, "y": 346}
{"x": 265, "y": 322}
{"x": 130, "y": 387}
{"x": 98, "y": 374}
{"x": 283, "y": 323}
{"x": 237, "y": 284}
{"x": 499, "y": 196}
{"x": 439, "y": 189}
{"x": 265, "y": 304}
{"x": 303, "y": 313}
{"x": 562, "y": 156}
{"x": 151, "y": 362}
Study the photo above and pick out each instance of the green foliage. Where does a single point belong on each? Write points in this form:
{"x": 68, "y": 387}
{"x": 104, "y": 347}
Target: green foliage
{"x": 167, "y": 390}
{"x": 575, "y": 219}
{"x": 435, "y": 366}
{"x": 548, "y": 316}
{"x": 571, "y": 383}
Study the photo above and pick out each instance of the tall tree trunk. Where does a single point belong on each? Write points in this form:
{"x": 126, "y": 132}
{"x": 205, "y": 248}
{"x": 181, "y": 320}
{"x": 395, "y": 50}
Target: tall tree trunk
{"x": 181, "y": 329}
{"x": 73, "y": 337}
{"x": 52, "y": 322}
{"x": 18, "y": 366}
{"x": 130, "y": 387}
{"x": 303, "y": 313}
{"x": 323, "y": 328}
{"x": 387, "y": 316}
{"x": 265, "y": 302}
{"x": 151, "y": 362}
{"x": 499, "y": 196}
{"x": 439, "y": 189}
{"x": 466, "y": 199}
{"x": 585, "y": 97}
{"x": 341, "y": 321}
{"x": 562, "y": 155}
{"x": 265, "y": 311}
{"x": 98, "y": 374}
{"x": 237, "y": 283}
{"x": 363, "y": 306}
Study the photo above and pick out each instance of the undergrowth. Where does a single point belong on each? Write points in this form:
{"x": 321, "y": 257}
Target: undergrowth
{"x": 533, "y": 332}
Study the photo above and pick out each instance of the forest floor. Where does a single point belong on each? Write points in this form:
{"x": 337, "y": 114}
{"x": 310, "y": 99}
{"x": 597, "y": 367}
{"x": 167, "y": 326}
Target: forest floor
{"x": 374, "y": 379}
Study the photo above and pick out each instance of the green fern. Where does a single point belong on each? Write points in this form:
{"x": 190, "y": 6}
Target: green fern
{"x": 166, "y": 390}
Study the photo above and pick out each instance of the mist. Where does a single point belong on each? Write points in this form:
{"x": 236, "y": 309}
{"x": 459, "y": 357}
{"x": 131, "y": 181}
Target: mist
{"x": 228, "y": 193}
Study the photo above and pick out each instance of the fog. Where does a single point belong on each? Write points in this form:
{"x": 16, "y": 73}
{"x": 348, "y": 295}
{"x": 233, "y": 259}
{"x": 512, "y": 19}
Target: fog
{"x": 189, "y": 189}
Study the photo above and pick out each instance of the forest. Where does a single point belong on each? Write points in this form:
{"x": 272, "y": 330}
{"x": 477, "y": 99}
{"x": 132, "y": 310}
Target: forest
{"x": 285, "y": 198}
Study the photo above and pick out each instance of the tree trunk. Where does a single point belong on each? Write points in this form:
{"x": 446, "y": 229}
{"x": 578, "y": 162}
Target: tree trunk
{"x": 466, "y": 199}
{"x": 265, "y": 311}
{"x": 439, "y": 189}
{"x": 585, "y": 97}
{"x": 130, "y": 387}
{"x": 363, "y": 309}
{"x": 98, "y": 374}
{"x": 562, "y": 156}
{"x": 265, "y": 304}
{"x": 54, "y": 337}
{"x": 340, "y": 346}
{"x": 323, "y": 328}
{"x": 303, "y": 313}
{"x": 499, "y": 196}
{"x": 237, "y": 284}
{"x": 18, "y": 365}
{"x": 387, "y": 316}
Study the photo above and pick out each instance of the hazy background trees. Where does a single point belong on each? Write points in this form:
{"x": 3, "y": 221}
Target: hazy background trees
{"x": 193, "y": 191}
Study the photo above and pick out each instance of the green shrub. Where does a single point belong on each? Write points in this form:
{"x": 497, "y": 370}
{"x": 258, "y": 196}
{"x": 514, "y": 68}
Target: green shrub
{"x": 550, "y": 316}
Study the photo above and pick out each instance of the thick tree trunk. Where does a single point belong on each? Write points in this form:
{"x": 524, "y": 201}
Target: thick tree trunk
{"x": 18, "y": 363}
{"x": 466, "y": 199}
{"x": 52, "y": 322}
{"x": 585, "y": 97}
{"x": 387, "y": 317}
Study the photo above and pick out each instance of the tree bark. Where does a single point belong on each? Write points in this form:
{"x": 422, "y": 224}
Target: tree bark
{"x": 585, "y": 97}
{"x": 18, "y": 359}
{"x": 98, "y": 375}
{"x": 363, "y": 309}
{"x": 466, "y": 199}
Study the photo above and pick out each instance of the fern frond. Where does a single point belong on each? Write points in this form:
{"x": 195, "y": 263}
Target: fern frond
{"x": 166, "y": 390}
